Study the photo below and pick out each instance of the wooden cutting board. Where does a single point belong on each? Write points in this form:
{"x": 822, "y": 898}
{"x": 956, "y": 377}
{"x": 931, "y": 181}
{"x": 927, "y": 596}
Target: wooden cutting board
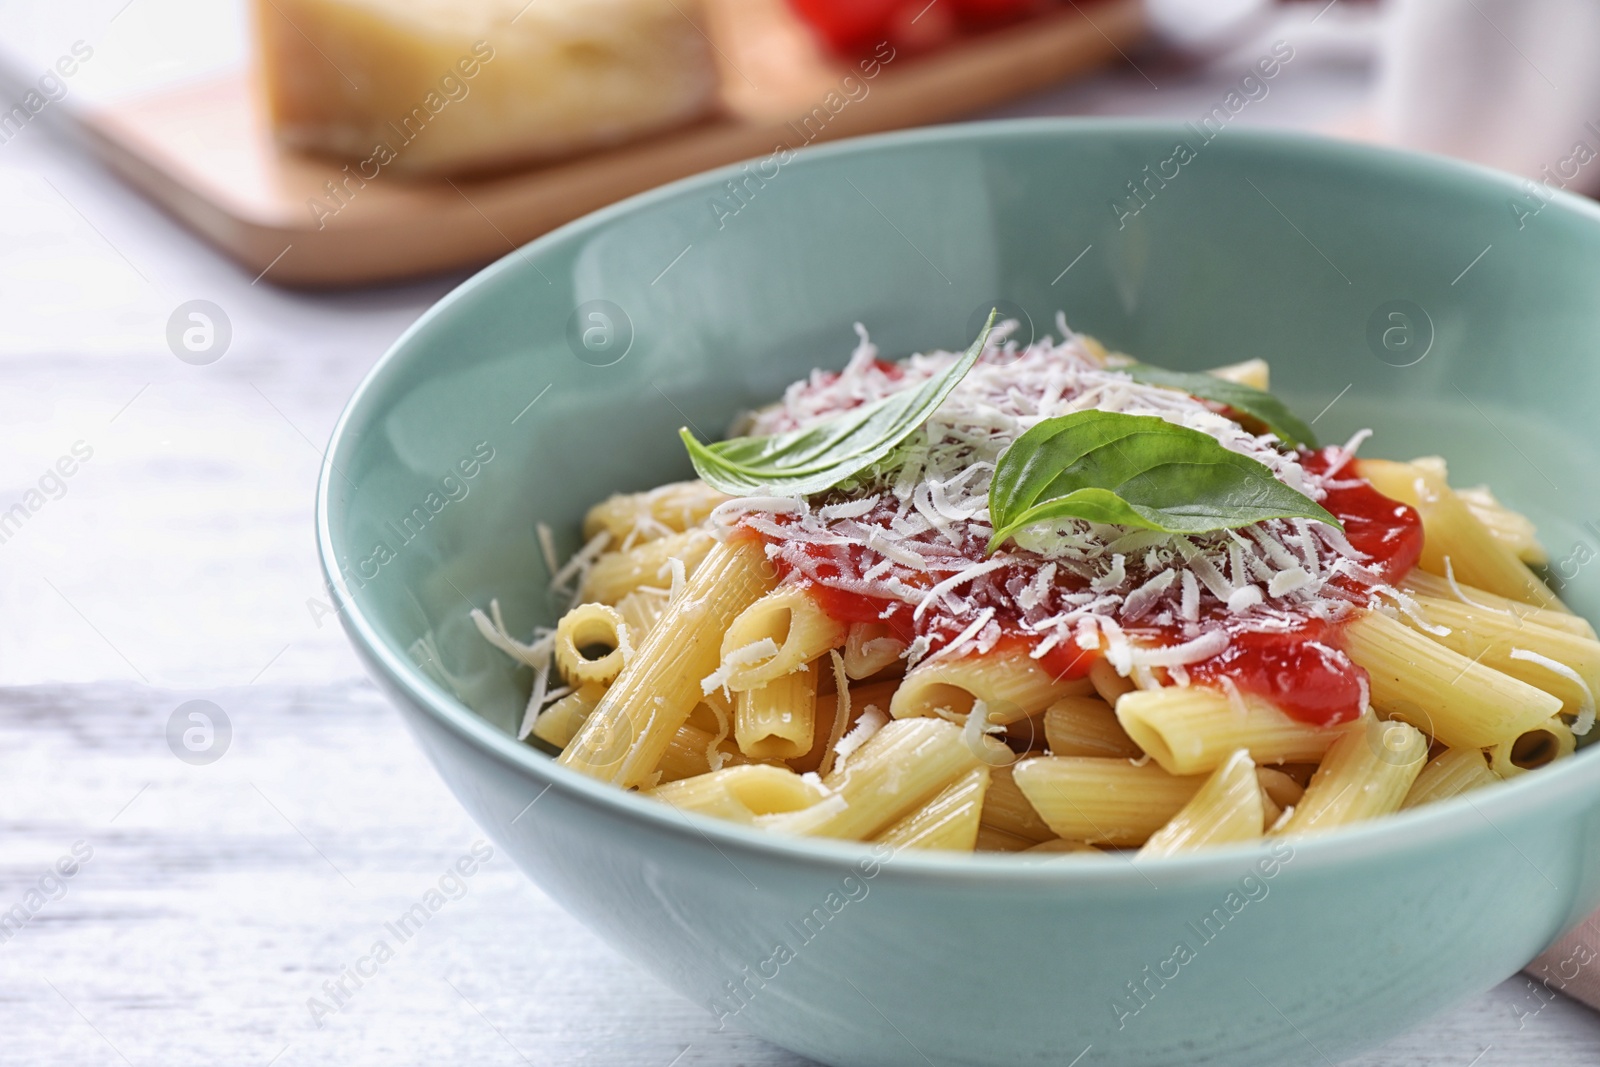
{"x": 205, "y": 152}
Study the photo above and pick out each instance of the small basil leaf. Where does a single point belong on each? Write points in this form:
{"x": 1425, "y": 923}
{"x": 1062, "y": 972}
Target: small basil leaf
{"x": 828, "y": 453}
{"x": 1135, "y": 470}
{"x": 1253, "y": 402}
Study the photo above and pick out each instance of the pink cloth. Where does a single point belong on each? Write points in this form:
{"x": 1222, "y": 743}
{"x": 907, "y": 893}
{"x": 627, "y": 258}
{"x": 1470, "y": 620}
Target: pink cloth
{"x": 1572, "y": 964}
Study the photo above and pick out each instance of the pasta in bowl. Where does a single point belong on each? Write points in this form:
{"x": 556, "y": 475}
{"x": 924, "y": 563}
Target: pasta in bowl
{"x": 464, "y": 468}
{"x": 1048, "y": 599}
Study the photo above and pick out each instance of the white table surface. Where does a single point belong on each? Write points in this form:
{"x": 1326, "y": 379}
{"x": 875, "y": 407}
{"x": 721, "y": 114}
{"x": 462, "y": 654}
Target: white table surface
{"x": 178, "y": 564}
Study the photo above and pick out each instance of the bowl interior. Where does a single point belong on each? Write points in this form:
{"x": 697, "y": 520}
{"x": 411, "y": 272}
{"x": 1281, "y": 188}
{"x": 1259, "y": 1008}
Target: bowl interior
{"x": 1435, "y": 303}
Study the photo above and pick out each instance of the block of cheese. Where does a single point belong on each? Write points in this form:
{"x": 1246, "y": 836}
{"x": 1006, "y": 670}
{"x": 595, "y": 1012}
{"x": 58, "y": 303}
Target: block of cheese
{"x": 446, "y": 86}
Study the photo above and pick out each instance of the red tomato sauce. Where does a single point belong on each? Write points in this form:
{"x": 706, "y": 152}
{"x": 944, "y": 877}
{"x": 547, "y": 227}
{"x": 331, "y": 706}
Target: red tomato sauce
{"x": 1301, "y": 670}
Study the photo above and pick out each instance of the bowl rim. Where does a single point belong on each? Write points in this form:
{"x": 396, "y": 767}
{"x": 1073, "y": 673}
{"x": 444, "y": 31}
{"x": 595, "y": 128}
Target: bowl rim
{"x": 1395, "y": 833}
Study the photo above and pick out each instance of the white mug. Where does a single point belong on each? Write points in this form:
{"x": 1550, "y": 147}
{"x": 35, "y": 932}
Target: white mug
{"x": 1513, "y": 84}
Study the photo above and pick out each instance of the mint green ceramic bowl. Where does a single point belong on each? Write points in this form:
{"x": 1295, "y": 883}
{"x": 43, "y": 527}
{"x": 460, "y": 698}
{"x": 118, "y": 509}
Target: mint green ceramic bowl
{"x": 508, "y": 405}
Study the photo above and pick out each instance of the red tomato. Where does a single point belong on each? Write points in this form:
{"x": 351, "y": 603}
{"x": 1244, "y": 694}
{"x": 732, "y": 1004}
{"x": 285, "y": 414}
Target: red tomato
{"x": 852, "y": 27}
{"x": 848, "y": 26}
{"x": 994, "y": 10}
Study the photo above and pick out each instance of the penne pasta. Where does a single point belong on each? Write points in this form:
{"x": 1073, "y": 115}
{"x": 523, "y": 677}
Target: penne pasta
{"x": 1006, "y": 808}
{"x": 1227, "y": 809}
{"x": 777, "y": 720}
{"x": 1419, "y": 681}
{"x": 1453, "y": 533}
{"x": 870, "y": 647}
{"x": 1280, "y": 788}
{"x": 948, "y": 822}
{"x": 775, "y": 636}
{"x": 646, "y": 516}
{"x": 1451, "y": 773}
{"x": 1510, "y": 528}
{"x": 616, "y": 574}
{"x": 1252, "y": 372}
{"x": 1420, "y": 583}
{"x": 1532, "y": 749}
{"x": 628, "y": 732}
{"x": 1061, "y": 846}
{"x": 1366, "y": 773}
{"x": 1087, "y": 726}
{"x": 640, "y": 609}
{"x": 828, "y": 726}
{"x": 742, "y": 794}
{"x": 805, "y": 656}
{"x": 992, "y": 839}
{"x": 1195, "y": 729}
{"x": 691, "y": 751}
{"x": 592, "y": 644}
{"x": 559, "y": 723}
{"x": 714, "y": 714}
{"x": 1103, "y": 801}
{"x": 1108, "y": 683}
{"x": 1011, "y": 685}
{"x": 1517, "y": 647}
{"x": 904, "y": 766}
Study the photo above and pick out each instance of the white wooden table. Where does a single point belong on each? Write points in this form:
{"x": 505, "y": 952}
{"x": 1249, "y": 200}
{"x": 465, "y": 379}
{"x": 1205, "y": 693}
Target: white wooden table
{"x": 176, "y": 564}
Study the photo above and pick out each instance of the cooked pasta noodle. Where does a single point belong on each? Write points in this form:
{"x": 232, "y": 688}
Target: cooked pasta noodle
{"x": 867, "y": 661}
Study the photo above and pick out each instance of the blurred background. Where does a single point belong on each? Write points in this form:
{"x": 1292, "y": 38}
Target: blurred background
{"x": 216, "y": 214}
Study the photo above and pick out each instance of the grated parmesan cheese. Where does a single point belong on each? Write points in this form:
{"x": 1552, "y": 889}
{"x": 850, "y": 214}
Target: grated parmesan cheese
{"x": 1585, "y": 720}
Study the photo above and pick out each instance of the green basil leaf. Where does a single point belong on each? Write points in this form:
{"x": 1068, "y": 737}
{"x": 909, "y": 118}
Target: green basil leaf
{"x": 1135, "y": 470}
{"x": 824, "y": 455}
{"x": 1253, "y": 402}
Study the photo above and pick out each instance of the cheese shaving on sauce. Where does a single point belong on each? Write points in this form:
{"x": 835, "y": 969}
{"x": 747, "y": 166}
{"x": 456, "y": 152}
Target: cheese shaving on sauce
{"x": 914, "y": 531}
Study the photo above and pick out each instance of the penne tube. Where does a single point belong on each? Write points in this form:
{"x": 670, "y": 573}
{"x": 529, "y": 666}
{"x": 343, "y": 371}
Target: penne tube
{"x": 1011, "y": 685}
{"x": 1451, "y": 773}
{"x": 1417, "y": 680}
{"x": 741, "y": 794}
{"x": 869, "y": 663}
{"x": 1005, "y": 808}
{"x": 1420, "y": 583}
{"x": 777, "y": 720}
{"x": 592, "y": 644}
{"x": 625, "y": 737}
{"x": 1227, "y": 809}
{"x": 1515, "y": 646}
{"x": 1026, "y": 735}
{"x": 1270, "y": 811}
{"x": 1108, "y": 683}
{"x": 1532, "y": 749}
{"x": 714, "y": 714}
{"x": 1195, "y": 729}
{"x": 559, "y": 723}
{"x": 1103, "y": 801}
{"x": 1087, "y": 726}
{"x": 826, "y": 727}
{"x": 1451, "y": 532}
{"x": 1511, "y": 528}
{"x": 640, "y": 609}
{"x": 902, "y": 767}
{"x": 993, "y": 839}
{"x": 870, "y": 647}
{"x": 775, "y": 636}
{"x": 1252, "y": 372}
{"x": 948, "y": 822}
{"x": 1366, "y": 773}
{"x": 1279, "y": 787}
{"x": 1299, "y": 773}
{"x": 1061, "y": 846}
{"x": 645, "y": 516}
{"x": 689, "y": 752}
{"x": 616, "y": 574}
